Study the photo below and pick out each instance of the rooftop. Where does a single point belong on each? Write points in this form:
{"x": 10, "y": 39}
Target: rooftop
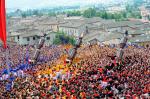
{"x": 141, "y": 38}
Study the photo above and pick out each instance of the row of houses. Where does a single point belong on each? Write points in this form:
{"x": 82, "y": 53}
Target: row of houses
{"x": 31, "y": 38}
{"x": 23, "y": 30}
{"x": 139, "y": 33}
{"x": 28, "y": 30}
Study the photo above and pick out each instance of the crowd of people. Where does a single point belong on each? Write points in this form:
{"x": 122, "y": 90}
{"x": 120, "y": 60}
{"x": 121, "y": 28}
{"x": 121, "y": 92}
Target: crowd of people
{"x": 97, "y": 75}
{"x": 16, "y": 58}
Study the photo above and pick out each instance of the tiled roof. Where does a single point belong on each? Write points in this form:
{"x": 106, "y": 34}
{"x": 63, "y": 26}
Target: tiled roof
{"x": 141, "y": 38}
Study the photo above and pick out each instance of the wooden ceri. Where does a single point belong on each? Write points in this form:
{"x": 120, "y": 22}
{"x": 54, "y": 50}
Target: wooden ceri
{"x": 36, "y": 55}
{"x": 122, "y": 46}
{"x": 72, "y": 53}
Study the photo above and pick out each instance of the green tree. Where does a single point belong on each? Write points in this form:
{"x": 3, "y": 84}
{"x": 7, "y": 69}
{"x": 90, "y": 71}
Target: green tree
{"x": 62, "y": 38}
{"x": 124, "y": 14}
{"x": 98, "y": 14}
{"x": 110, "y": 16}
{"x": 104, "y": 15}
{"x": 23, "y": 15}
{"x": 136, "y": 14}
{"x": 129, "y": 8}
{"x": 51, "y": 14}
{"x": 91, "y": 12}
{"x": 74, "y": 13}
{"x": 35, "y": 12}
{"x": 118, "y": 16}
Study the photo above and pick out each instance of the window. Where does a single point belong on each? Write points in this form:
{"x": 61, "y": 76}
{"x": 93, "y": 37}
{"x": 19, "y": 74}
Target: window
{"x": 48, "y": 38}
{"x": 18, "y": 37}
{"x": 38, "y": 37}
{"x": 28, "y": 39}
{"x": 33, "y": 38}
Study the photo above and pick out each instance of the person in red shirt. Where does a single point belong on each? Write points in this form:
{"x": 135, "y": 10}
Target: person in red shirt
{"x": 68, "y": 94}
{"x": 100, "y": 70}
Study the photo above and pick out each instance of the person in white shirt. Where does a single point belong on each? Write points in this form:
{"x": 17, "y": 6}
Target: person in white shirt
{"x": 1, "y": 78}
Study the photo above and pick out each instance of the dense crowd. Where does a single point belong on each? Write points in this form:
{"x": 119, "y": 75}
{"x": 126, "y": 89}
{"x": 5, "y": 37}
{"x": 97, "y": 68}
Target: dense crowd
{"x": 16, "y": 58}
{"x": 97, "y": 75}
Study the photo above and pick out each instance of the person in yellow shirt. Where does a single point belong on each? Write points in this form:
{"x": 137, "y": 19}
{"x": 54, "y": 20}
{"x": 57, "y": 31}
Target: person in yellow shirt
{"x": 60, "y": 88}
{"x": 73, "y": 97}
{"x": 82, "y": 95}
{"x": 64, "y": 97}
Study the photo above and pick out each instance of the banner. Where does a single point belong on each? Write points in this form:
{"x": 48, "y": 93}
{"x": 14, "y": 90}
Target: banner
{"x": 3, "y": 22}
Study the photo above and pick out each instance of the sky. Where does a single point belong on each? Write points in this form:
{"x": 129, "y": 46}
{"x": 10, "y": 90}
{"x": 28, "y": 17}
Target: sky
{"x": 44, "y": 3}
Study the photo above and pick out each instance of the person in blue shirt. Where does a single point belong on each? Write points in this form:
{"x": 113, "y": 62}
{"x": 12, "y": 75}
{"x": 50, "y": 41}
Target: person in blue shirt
{"x": 8, "y": 86}
{"x": 5, "y": 71}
